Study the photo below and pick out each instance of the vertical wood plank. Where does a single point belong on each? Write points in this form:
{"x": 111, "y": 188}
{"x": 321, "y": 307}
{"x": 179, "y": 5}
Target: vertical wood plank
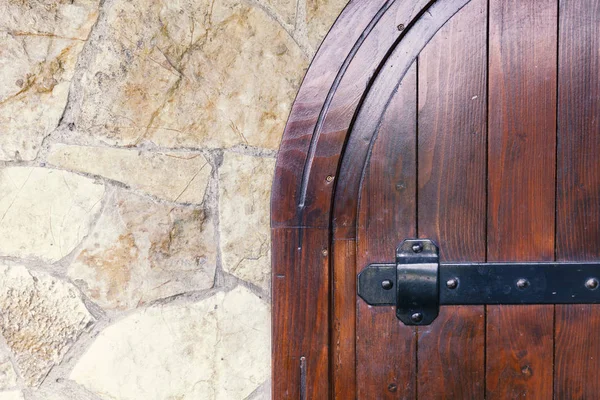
{"x": 344, "y": 320}
{"x": 386, "y": 348}
{"x": 521, "y": 188}
{"x": 452, "y": 132}
{"x": 577, "y": 347}
{"x": 301, "y": 336}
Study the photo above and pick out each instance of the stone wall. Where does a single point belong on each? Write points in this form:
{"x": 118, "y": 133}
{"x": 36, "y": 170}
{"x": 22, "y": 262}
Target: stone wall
{"x": 137, "y": 146}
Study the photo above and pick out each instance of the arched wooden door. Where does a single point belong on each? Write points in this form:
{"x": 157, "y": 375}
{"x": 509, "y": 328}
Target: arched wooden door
{"x": 472, "y": 123}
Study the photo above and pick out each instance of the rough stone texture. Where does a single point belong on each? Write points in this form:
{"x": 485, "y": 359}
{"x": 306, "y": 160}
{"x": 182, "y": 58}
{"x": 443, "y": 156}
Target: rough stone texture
{"x": 189, "y": 74}
{"x": 171, "y": 176}
{"x": 8, "y": 377}
{"x": 39, "y": 45}
{"x": 136, "y": 156}
{"x": 320, "y": 15}
{"x": 244, "y": 189}
{"x": 285, "y": 9}
{"x": 40, "y": 318}
{"x": 217, "y": 348}
{"x": 141, "y": 251}
{"x": 45, "y": 213}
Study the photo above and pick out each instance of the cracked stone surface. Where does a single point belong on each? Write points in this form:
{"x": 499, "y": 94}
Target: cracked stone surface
{"x": 286, "y": 9}
{"x": 45, "y": 213}
{"x": 244, "y": 192}
{"x": 39, "y": 45}
{"x": 170, "y": 176}
{"x": 142, "y": 251}
{"x": 109, "y": 113}
{"x": 217, "y": 348}
{"x": 189, "y": 74}
{"x": 40, "y": 319}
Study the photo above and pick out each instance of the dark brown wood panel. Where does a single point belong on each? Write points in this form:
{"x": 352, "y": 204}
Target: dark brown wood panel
{"x": 577, "y": 341}
{"x": 319, "y": 80}
{"x": 301, "y": 340}
{"x": 521, "y": 187}
{"x": 372, "y": 110}
{"x": 452, "y": 130}
{"x": 343, "y": 337}
{"x": 386, "y": 348}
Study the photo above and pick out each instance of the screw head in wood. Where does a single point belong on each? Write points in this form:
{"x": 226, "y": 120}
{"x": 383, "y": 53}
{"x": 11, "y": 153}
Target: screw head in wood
{"x": 401, "y": 27}
{"x": 417, "y": 247}
{"x": 592, "y": 284}
{"x": 387, "y": 284}
{"x": 452, "y": 283}
{"x": 329, "y": 178}
{"x": 417, "y": 317}
{"x": 522, "y": 283}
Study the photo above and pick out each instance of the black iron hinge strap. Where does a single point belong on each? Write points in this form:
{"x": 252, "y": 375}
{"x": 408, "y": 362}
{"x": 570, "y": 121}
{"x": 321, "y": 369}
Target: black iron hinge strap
{"x": 418, "y": 284}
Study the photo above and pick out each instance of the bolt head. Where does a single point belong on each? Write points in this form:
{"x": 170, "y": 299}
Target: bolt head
{"x": 417, "y": 317}
{"x": 417, "y": 247}
{"x": 523, "y": 283}
{"x": 452, "y": 283}
{"x": 387, "y": 284}
{"x": 592, "y": 284}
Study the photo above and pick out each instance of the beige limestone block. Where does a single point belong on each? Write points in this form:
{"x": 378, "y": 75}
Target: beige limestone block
{"x": 320, "y": 16}
{"x": 142, "y": 251}
{"x": 286, "y": 9}
{"x": 244, "y": 192}
{"x": 40, "y": 319}
{"x": 189, "y": 74}
{"x": 8, "y": 376}
{"x": 215, "y": 349}
{"x": 45, "y": 213}
{"x": 177, "y": 177}
{"x": 39, "y": 45}
{"x": 12, "y": 395}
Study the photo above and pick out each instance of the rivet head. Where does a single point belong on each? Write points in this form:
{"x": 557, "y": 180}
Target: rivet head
{"x": 592, "y": 284}
{"x": 452, "y": 283}
{"x": 417, "y": 247}
{"x": 523, "y": 283}
{"x": 417, "y": 317}
{"x": 400, "y": 186}
{"x": 387, "y": 284}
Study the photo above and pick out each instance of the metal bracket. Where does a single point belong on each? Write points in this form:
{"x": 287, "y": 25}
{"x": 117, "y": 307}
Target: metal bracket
{"x": 418, "y": 284}
{"x": 417, "y": 287}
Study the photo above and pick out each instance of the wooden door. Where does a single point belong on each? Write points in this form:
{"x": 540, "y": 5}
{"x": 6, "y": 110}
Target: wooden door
{"x": 472, "y": 123}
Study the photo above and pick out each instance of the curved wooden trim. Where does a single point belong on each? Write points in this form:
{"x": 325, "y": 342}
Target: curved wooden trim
{"x": 363, "y": 57}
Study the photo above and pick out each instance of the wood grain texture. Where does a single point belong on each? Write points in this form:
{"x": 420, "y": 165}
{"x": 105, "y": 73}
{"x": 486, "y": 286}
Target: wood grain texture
{"x": 452, "y": 130}
{"x": 320, "y": 78}
{"x": 322, "y": 113}
{"x": 297, "y": 259}
{"x": 577, "y": 344}
{"x": 334, "y": 84}
{"x": 521, "y": 188}
{"x": 343, "y": 337}
{"x": 387, "y": 215}
{"x": 372, "y": 110}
